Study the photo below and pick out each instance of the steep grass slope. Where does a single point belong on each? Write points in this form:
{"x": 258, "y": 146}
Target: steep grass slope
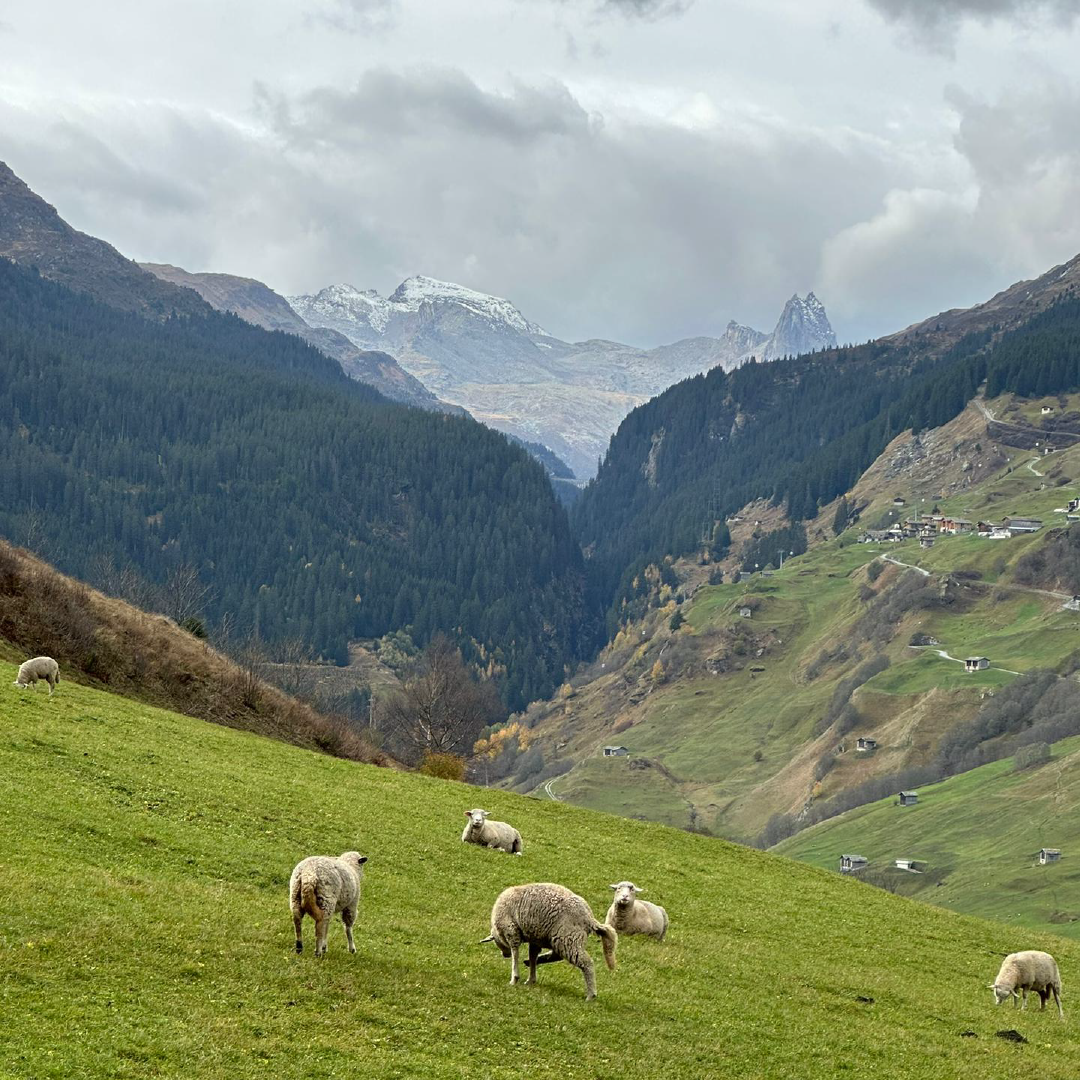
{"x": 721, "y": 716}
{"x": 145, "y": 932}
{"x": 978, "y": 834}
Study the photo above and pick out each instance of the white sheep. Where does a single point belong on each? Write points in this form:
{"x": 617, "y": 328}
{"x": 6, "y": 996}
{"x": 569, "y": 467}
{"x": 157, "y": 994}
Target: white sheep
{"x": 1028, "y": 970}
{"x": 629, "y": 915}
{"x": 321, "y": 886}
{"x": 41, "y": 667}
{"x": 549, "y": 916}
{"x": 491, "y": 834}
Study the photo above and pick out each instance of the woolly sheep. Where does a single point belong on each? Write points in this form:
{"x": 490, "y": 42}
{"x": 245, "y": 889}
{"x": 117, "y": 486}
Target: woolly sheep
{"x": 549, "y": 916}
{"x": 1028, "y": 970}
{"x": 41, "y": 667}
{"x": 491, "y": 834}
{"x": 321, "y": 886}
{"x": 632, "y": 916}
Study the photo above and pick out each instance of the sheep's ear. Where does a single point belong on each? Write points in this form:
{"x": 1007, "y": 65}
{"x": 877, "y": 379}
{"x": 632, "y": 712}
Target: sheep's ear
{"x": 613, "y": 886}
{"x": 989, "y": 986}
{"x": 485, "y": 813}
{"x": 637, "y": 888}
{"x": 468, "y": 813}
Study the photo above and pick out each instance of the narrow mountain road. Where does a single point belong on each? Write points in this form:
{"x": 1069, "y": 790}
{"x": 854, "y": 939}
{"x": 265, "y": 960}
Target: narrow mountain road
{"x": 1031, "y": 466}
{"x": 945, "y": 656}
{"x": 910, "y": 566}
{"x": 551, "y": 794}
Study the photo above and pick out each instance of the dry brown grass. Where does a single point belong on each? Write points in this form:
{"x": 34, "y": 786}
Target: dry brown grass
{"x": 108, "y": 643}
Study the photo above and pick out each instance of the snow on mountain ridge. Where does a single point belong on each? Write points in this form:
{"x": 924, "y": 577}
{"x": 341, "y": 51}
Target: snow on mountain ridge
{"x": 347, "y": 302}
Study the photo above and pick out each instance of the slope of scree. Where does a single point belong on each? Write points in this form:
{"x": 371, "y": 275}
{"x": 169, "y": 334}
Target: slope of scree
{"x": 146, "y": 929}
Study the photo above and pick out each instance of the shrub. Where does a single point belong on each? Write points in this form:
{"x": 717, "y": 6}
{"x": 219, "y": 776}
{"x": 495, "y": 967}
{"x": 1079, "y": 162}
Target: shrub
{"x": 874, "y": 570}
{"x": 443, "y": 766}
{"x": 1031, "y": 755}
{"x": 676, "y": 620}
{"x": 758, "y": 755}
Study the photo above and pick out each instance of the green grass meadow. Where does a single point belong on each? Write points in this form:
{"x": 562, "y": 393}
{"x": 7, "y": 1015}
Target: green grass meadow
{"x": 145, "y": 931}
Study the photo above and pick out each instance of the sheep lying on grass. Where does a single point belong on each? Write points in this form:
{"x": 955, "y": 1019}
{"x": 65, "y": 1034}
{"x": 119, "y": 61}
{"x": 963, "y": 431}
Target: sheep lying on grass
{"x": 549, "y": 916}
{"x": 321, "y": 886}
{"x": 41, "y": 667}
{"x": 492, "y": 834}
{"x": 632, "y": 916}
{"x": 1024, "y": 971}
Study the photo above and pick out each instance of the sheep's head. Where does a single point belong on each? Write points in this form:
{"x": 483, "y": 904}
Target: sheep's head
{"x": 355, "y": 860}
{"x": 1002, "y": 993}
{"x": 625, "y": 892}
{"x": 476, "y": 818}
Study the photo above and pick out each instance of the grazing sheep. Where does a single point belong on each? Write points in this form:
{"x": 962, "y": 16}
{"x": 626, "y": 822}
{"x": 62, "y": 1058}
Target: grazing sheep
{"x": 41, "y": 667}
{"x": 1028, "y": 970}
{"x": 632, "y": 916}
{"x": 491, "y": 834}
{"x": 321, "y": 886}
{"x": 549, "y": 916}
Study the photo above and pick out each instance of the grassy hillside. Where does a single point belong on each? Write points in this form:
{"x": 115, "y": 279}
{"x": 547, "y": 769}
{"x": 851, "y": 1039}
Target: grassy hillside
{"x": 145, "y": 929}
{"x": 978, "y": 834}
{"x": 725, "y": 732}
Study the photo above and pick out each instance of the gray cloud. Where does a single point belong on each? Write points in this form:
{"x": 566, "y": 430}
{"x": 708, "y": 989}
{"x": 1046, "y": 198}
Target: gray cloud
{"x": 643, "y": 230}
{"x": 649, "y": 10}
{"x": 354, "y": 16}
{"x": 935, "y": 23}
{"x": 928, "y": 249}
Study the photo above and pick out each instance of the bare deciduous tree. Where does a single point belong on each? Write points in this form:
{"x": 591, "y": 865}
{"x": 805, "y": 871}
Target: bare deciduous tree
{"x": 184, "y": 593}
{"x": 440, "y": 707}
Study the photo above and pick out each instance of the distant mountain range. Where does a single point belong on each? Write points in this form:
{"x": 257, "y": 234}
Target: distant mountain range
{"x": 481, "y": 352}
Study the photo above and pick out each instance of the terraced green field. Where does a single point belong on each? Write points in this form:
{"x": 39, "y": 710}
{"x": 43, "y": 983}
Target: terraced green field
{"x": 145, "y": 932}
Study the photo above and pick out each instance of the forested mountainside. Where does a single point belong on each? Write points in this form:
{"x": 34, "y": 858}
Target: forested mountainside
{"x": 257, "y": 303}
{"x": 800, "y": 431}
{"x": 310, "y": 506}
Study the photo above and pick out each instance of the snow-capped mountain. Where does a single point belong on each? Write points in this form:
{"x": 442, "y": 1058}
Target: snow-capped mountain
{"x": 365, "y": 310}
{"x": 480, "y": 352}
{"x": 803, "y": 327}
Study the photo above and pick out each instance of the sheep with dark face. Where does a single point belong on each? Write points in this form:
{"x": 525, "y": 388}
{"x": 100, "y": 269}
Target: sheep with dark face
{"x": 1024, "y": 971}
{"x": 491, "y": 834}
{"x": 321, "y": 886}
{"x": 629, "y": 915}
{"x": 547, "y": 916}
{"x": 41, "y": 667}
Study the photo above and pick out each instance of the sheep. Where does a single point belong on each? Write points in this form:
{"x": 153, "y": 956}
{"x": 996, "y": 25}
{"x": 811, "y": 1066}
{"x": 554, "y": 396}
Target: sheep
{"x": 321, "y": 886}
{"x": 491, "y": 834}
{"x": 549, "y": 916}
{"x": 41, "y": 667}
{"x": 632, "y": 916}
{"x": 1024, "y": 971}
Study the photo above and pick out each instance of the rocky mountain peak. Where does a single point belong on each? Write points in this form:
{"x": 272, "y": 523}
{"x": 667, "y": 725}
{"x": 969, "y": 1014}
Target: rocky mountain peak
{"x": 803, "y": 326}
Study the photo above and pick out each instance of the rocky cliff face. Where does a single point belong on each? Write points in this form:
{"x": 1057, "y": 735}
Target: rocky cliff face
{"x": 257, "y": 303}
{"x": 32, "y": 233}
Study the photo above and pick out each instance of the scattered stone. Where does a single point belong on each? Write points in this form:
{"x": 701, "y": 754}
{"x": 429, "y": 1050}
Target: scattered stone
{"x": 865, "y": 1000}
{"x": 968, "y": 1035}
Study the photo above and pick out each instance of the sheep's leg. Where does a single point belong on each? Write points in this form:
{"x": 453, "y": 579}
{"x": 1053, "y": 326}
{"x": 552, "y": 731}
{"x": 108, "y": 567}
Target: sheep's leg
{"x": 1057, "y": 1000}
{"x": 586, "y": 966}
{"x": 534, "y": 952}
{"x": 1023, "y": 991}
{"x": 322, "y": 927}
{"x": 514, "y": 964}
{"x": 348, "y": 917}
{"x": 549, "y": 958}
{"x": 298, "y": 922}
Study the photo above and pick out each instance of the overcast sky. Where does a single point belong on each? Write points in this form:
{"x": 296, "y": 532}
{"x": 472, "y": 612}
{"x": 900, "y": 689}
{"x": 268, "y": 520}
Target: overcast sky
{"x": 641, "y": 170}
